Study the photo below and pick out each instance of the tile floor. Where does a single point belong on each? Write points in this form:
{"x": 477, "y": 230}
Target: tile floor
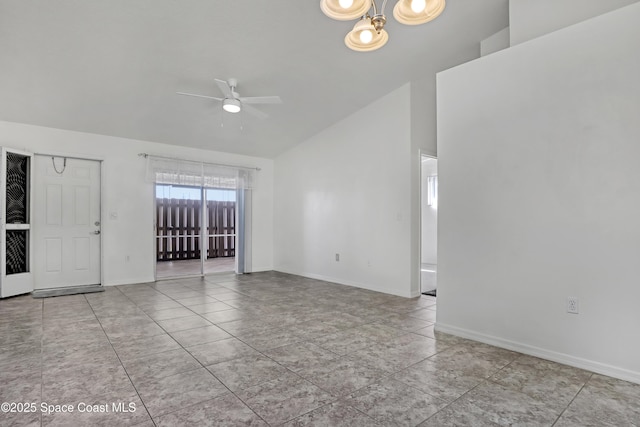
{"x": 270, "y": 349}
{"x": 191, "y": 267}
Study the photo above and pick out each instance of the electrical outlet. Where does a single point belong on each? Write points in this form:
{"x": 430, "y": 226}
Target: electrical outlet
{"x": 337, "y": 257}
{"x": 572, "y": 305}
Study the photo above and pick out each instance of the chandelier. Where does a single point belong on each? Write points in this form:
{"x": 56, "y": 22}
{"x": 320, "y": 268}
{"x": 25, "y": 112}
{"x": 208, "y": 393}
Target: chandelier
{"x": 368, "y": 33}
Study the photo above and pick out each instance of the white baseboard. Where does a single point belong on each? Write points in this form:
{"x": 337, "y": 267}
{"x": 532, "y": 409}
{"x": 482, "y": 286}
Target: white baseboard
{"x": 565, "y": 359}
{"x": 347, "y": 283}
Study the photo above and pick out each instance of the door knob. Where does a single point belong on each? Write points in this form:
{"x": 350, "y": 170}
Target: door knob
{"x": 95, "y": 232}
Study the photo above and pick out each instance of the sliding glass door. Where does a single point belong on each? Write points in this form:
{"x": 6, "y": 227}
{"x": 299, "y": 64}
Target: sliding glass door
{"x": 192, "y": 237}
{"x": 200, "y": 215}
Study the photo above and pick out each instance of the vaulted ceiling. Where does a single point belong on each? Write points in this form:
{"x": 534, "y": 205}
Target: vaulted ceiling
{"x": 114, "y": 67}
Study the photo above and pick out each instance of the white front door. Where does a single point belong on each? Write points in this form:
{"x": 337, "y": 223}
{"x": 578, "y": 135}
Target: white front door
{"x": 66, "y": 222}
{"x": 16, "y": 276}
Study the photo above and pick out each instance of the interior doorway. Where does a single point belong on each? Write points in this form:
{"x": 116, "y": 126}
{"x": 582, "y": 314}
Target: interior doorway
{"x": 429, "y": 225}
{"x": 195, "y": 230}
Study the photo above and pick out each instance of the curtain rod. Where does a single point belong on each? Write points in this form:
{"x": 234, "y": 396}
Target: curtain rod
{"x": 145, "y": 155}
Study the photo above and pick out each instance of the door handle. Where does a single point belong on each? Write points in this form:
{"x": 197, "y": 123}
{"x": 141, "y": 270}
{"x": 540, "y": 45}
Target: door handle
{"x": 95, "y": 232}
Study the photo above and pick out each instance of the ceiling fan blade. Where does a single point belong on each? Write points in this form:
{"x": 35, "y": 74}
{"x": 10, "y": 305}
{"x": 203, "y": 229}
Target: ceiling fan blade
{"x": 224, "y": 88}
{"x": 199, "y": 96}
{"x": 261, "y": 100}
{"x": 254, "y": 111}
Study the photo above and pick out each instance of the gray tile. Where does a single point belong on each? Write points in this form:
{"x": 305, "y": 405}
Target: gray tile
{"x": 457, "y": 415}
{"x": 399, "y": 352}
{"x": 128, "y": 348}
{"x": 479, "y": 361}
{"x": 442, "y": 382}
{"x": 210, "y": 307}
{"x": 170, "y": 313}
{"x": 300, "y": 356}
{"x": 106, "y": 410}
{"x": 604, "y": 401}
{"x": 406, "y": 305}
{"x": 201, "y": 299}
{"x": 118, "y": 311}
{"x": 160, "y": 365}
{"x": 313, "y": 330}
{"x": 150, "y": 306}
{"x": 207, "y": 334}
{"x": 85, "y": 381}
{"x": 12, "y": 354}
{"x": 344, "y": 342}
{"x": 246, "y": 325}
{"x": 393, "y": 403}
{"x": 378, "y": 354}
{"x": 244, "y": 372}
{"x": 379, "y": 332}
{"x": 272, "y": 338}
{"x": 134, "y": 332}
{"x": 341, "y": 376}
{"x": 21, "y": 419}
{"x": 506, "y": 407}
{"x": 405, "y": 322}
{"x": 218, "y": 317}
{"x": 63, "y": 357}
{"x": 169, "y": 394}
{"x": 283, "y": 399}
{"x": 550, "y": 382}
{"x": 181, "y": 294}
{"x": 25, "y": 386}
{"x": 336, "y": 414}
{"x": 424, "y": 314}
{"x": 225, "y": 411}
{"x": 220, "y": 351}
{"x": 183, "y": 323}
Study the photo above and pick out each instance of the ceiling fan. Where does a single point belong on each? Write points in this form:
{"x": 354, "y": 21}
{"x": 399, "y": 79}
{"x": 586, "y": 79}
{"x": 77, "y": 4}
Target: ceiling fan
{"x": 234, "y": 103}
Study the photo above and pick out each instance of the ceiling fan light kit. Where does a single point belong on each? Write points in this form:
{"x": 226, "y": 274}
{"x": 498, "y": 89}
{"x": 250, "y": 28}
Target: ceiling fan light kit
{"x": 231, "y": 105}
{"x": 368, "y": 34}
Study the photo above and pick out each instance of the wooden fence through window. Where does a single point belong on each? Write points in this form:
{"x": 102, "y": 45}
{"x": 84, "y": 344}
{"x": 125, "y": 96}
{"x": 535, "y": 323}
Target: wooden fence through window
{"x": 178, "y": 224}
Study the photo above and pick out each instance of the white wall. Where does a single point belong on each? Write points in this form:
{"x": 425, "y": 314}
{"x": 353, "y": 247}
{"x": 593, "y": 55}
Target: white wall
{"x": 347, "y": 190}
{"x": 540, "y": 196}
{"x": 126, "y": 192}
{"x": 498, "y": 41}
{"x": 429, "y": 227}
{"x": 533, "y": 18}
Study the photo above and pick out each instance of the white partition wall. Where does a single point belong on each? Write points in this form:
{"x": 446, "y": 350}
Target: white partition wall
{"x": 533, "y": 18}
{"x": 343, "y": 200}
{"x": 540, "y": 196}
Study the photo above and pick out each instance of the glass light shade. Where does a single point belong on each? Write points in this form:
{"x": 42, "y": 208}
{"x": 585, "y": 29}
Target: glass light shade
{"x": 418, "y": 5}
{"x": 334, "y": 10}
{"x": 403, "y": 12}
{"x": 355, "y": 41}
{"x": 231, "y": 105}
